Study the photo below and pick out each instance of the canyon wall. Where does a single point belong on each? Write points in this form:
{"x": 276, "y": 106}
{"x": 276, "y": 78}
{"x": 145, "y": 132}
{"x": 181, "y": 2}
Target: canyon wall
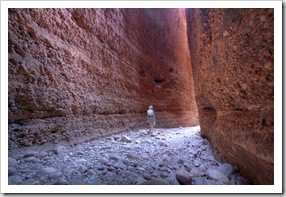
{"x": 232, "y": 58}
{"x": 79, "y": 74}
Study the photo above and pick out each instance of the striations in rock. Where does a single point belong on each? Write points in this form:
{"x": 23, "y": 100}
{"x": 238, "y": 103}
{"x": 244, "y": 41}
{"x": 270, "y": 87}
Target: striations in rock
{"x": 232, "y": 58}
{"x": 79, "y": 74}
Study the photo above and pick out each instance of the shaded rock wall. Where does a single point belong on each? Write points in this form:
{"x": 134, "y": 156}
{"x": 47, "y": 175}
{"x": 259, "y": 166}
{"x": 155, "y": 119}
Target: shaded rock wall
{"x": 78, "y": 74}
{"x": 232, "y": 60}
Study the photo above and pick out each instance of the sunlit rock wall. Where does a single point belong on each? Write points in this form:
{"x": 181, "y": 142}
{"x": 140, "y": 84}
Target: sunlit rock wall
{"x": 232, "y": 60}
{"x": 79, "y": 74}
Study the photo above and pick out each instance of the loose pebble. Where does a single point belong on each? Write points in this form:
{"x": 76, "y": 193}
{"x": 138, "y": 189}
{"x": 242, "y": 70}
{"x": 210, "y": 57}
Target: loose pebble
{"x": 162, "y": 157}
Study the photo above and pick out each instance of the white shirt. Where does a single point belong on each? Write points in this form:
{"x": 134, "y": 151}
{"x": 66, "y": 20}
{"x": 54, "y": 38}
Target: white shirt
{"x": 150, "y": 112}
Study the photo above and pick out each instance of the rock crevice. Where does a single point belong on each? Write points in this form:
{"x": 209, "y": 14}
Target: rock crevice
{"x": 81, "y": 74}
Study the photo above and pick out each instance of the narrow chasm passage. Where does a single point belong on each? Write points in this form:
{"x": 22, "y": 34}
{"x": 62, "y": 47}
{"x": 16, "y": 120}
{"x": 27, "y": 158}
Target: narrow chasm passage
{"x": 175, "y": 156}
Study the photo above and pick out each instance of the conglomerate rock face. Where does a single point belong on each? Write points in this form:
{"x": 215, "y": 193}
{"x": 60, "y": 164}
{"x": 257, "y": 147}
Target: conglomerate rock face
{"x": 79, "y": 74}
{"x": 232, "y": 60}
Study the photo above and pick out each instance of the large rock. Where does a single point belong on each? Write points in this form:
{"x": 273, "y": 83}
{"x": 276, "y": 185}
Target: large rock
{"x": 184, "y": 177}
{"x": 217, "y": 175}
{"x": 31, "y": 159}
{"x": 133, "y": 156}
{"x": 30, "y": 153}
{"x": 47, "y": 171}
{"x": 140, "y": 180}
{"x": 126, "y": 139}
{"x": 61, "y": 150}
{"x": 15, "y": 180}
{"x": 80, "y": 74}
{"x": 226, "y": 169}
{"x": 195, "y": 171}
{"x": 12, "y": 161}
{"x": 12, "y": 171}
{"x": 232, "y": 55}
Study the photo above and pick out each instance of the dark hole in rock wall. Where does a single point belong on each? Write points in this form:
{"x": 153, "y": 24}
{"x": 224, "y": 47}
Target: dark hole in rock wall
{"x": 171, "y": 69}
{"x": 89, "y": 73}
{"x": 159, "y": 81}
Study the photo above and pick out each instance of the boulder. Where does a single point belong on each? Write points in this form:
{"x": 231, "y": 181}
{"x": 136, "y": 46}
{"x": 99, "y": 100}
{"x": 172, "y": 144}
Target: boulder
{"x": 126, "y": 139}
{"x": 226, "y": 169}
{"x": 184, "y": 177}
{"x": 217, "y": 175}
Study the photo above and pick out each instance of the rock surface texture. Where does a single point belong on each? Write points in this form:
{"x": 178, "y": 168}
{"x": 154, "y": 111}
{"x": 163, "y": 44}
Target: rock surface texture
{"x": 79, "y": 74}
{"x": 233, "y": 68}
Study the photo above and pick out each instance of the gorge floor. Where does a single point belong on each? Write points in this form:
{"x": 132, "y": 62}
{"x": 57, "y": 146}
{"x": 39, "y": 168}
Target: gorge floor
{"x": 175, "y": 156}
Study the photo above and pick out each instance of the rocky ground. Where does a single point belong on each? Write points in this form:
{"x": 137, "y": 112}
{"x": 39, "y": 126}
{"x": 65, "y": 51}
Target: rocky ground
{"x": 165, "y": 156}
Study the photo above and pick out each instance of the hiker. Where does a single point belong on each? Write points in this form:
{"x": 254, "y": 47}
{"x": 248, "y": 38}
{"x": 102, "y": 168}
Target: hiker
{"x": 151, "y": 118}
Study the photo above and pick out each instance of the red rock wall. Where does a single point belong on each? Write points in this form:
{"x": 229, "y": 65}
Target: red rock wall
{"x": 232, "y": 60}
{"x": 79, "y": 74}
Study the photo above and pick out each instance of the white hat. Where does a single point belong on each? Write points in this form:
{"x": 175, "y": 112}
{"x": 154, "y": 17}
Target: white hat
{"x": 150, "y": 107}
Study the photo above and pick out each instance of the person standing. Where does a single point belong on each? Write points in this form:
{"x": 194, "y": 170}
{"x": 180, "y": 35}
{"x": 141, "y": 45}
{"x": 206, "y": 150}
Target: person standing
{"x": 151, "y": 118}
